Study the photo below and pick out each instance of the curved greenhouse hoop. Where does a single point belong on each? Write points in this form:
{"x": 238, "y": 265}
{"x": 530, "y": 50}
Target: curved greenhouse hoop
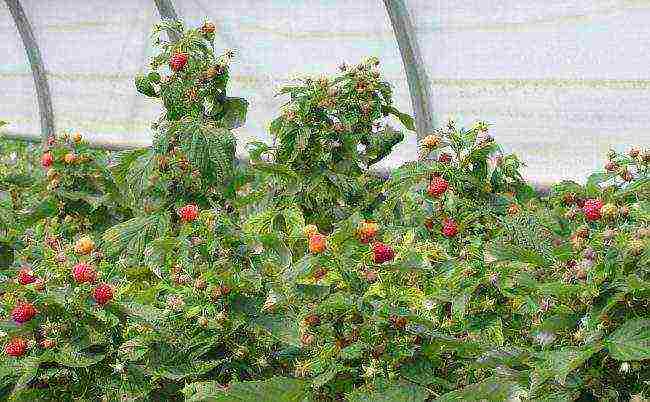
{"x": 45, "y": 109}
{"x": 416, "y": 75}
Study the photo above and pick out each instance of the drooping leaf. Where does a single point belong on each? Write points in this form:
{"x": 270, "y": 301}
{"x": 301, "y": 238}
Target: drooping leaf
{"x": 390, "y": 392}
{"x": 492, "y": 389}
{"x": 272, "y": 390}
{"x": 631, "y": 341}
{"x": 559, "y": 363}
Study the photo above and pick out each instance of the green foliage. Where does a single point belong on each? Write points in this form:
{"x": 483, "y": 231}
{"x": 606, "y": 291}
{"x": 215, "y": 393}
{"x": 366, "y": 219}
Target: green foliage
{"x": 306, "y": 277}
{"x": 328, "y": 135}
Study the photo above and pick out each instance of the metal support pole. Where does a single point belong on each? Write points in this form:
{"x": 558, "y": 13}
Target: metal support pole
{"x": 167, "y": 11}
{"x": 45, "y": 108}
{"x": 416, "y": 75}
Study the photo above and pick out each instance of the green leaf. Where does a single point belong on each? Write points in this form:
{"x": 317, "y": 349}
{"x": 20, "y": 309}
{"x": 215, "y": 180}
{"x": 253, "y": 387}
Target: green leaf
{"x": 272, "y": 390}
{"x": 382, "y": 143}
{"x": 404, "y": 118}
{"x": 631, "y": 341}
{"x": 144, "y": 86}
{"x": 144, "y": 312}
{"x": 70, "y": 357}
{"x": 284, "y": 329}
{"x": 492, "y": 389}
{"x": 132, "y": 235}
{"x": 234, "y": 112}
{"x": 389, "y": 393}
{"x": 559, "y": 363}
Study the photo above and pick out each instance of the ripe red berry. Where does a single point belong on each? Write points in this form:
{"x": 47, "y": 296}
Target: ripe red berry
{"x": 188, "y": 213}
{"x": 23, "y": 313}
{"x": 591, "y": 209}
{"x": 16, "y": 347}
{"x": 382, "y": 253}
{"x": 47, "y": 159}
{"x": 178, "y": 61}
{"x": 84, "y": 273}
{"x": 437, "y": 187}
{"x": 26, "y": 276}
{"x": 444, "y": 158}
{"x": 449, "y": 228}
{"x": 103, "y": 294}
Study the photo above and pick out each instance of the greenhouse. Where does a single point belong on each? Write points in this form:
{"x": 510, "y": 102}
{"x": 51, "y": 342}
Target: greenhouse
{"x": 325, "y": 200}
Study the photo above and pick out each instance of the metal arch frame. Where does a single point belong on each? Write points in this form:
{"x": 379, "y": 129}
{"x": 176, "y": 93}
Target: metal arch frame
{"x": 416, "y": 74}
{"x": 45, "y": 109}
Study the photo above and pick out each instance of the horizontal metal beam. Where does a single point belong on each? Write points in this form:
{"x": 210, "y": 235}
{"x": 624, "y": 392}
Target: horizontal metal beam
{"x": 45, "y": 109}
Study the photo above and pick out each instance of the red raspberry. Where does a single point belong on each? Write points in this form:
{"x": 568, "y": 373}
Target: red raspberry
{"x": 444, "y": 158}
{"x": 449, "y": 228}
{"x": 103, "y": 294}
{"x": 188, "y": 213}
{"x": 47, "y": 159}
{"x": 26, "y": 276}
{"x": 382, "y": 253}
{"x": 16, "y": 347}
{"x": 23, "y": 313}
{"x": 437, "y": 187}
{"x": 178, "y": 61}
{"x": 591, "y": 209}
{"x": 84, "y": 273}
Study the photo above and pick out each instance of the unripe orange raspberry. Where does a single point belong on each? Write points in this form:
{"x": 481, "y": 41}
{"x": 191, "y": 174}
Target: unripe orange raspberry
{"x": 514, "y": 209}
{"x": 317, "y": 243}
{"x": 47, "y": 343}
{"x": 208, "y": 27}
{"x": 84, "y": 246}
{"x": 367, "y": 231}
{"x": 430, "y": 141}
{"x": 70, "y": 158}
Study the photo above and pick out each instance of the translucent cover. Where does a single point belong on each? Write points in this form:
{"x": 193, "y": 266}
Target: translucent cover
{"x": 561, "y": 80}
{"x": 18, "y": 103}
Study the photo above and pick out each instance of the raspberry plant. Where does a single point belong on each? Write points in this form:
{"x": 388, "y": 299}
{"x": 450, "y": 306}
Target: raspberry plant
{"x": 329, "y": 134}
{"x": 305, "y": 276}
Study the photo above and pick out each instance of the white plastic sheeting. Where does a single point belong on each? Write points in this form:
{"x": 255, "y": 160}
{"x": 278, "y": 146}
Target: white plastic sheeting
{"x": 561, "y": 80}
{"x": 18, "y": 103}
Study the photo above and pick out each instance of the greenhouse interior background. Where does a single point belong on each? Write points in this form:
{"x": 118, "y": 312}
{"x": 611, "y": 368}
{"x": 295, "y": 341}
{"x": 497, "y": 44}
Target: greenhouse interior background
{"x": 561, "y": 81}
